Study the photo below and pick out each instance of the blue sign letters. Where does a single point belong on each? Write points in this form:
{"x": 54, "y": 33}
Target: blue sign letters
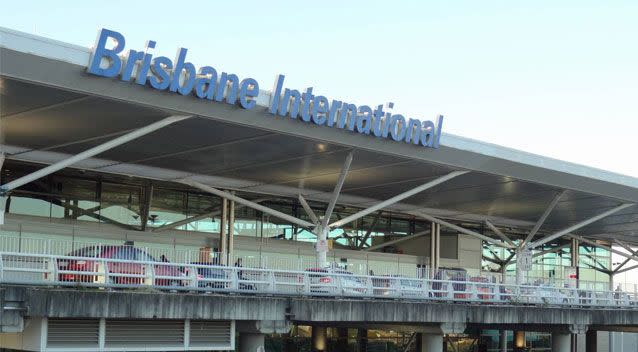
{"x": 181, "y": 76}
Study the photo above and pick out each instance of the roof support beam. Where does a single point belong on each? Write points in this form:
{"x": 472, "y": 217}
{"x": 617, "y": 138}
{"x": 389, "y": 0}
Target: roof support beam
{"x": 398, "y": 240}
{"x": 362, "y": 241}
{"x": 90, "y": 152}
{"x": 543, "y": 217}
{"x": 579, "y": 225}
{"x": 624, "y": 270}
{"x": 247, "y": 203}
{"x": 627, "y": 260}
{"x": 461, "y": 229}
{"x": 593, "y": 243}
{"x": 499, "y": 233}
{"x": 397, "y": 198}
{"x": 210, "y": 213}
{"x": 306, "y": 207}
{"x": 337, "y": 189}
{"x": 623, "y": 245}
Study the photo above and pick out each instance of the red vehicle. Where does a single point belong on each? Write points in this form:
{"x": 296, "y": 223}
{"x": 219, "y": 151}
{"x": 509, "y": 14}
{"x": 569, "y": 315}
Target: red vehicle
{"x": 115, "y": 269}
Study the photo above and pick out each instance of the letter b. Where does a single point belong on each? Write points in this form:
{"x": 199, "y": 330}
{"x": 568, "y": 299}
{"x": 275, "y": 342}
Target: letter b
{"x": 101, "y": 52}
{"x": 189, "y": 78}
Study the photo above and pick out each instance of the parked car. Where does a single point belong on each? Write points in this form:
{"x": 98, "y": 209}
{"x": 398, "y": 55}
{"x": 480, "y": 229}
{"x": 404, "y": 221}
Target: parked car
{"x": 137, "y": 271}
{"x": 484, "y": 292}
{"x": 328, "y": 281}
{"x": 209, "y": 271}
{"x": 396, "y": 285}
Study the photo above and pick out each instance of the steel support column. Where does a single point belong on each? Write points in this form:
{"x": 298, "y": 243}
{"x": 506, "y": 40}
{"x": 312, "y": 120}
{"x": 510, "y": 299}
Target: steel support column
{"x": 223, "y": 230}
{"x": 231, "y": 233}
{"x": 435, "y": 246}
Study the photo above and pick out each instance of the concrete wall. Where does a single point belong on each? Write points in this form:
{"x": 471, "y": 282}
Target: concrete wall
{"x": 72, "y": 303}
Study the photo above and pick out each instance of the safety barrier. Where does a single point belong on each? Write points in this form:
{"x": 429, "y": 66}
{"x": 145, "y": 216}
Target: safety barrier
{"x": 39, "y": 269}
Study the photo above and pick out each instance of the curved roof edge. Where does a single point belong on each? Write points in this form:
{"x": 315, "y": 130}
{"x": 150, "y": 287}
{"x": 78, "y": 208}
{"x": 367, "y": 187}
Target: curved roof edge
{"x": 455, "y": 150}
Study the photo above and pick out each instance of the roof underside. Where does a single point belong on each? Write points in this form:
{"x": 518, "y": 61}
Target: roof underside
{"x": 38, "y": 119}
{"x": 45, "y": 118}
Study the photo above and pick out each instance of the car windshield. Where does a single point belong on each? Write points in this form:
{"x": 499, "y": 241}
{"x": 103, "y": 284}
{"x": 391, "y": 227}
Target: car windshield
{"x": 411, "y": 283}
{"x": 132, "y": 253}
{"x": 90, "y": 251}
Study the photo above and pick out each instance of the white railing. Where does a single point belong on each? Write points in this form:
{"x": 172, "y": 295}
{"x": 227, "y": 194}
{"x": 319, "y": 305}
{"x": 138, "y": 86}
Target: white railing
{"x": 38, "y": 269}
{"x": 256, "y": 258}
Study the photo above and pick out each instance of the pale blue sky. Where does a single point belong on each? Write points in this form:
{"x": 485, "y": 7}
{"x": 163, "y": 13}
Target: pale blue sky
{"x": 553, "y": 78}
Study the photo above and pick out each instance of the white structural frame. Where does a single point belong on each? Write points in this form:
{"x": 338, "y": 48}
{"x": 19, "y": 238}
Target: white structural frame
{"x": 461, "y": 229}
{"x": 543, "y": 217}
{"x": 321, "y": 226}
{"x": 91, "y": 152}
{"x": 579, "y": 225}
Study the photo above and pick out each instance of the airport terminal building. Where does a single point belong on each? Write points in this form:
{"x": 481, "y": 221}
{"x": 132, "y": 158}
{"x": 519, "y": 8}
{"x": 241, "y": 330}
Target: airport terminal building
{"x": 151, "y": 205}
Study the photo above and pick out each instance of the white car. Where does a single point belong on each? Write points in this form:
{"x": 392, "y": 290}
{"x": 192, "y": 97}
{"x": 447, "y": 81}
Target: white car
{"x": 335, "y": 281}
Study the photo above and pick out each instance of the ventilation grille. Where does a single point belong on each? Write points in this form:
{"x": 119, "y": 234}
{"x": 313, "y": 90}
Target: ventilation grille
{"x": 210, "y": 333}
{"x": 73, "y": 333}
{"x": 144, "y": 333}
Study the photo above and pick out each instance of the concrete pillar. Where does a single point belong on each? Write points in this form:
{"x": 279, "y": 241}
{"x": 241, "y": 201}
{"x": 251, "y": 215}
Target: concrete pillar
{"x": 591, "y": 341}
{"x": 431, "y": 343}
{"x": 519, "y": 340}
{"x": 319, "y": 338}
{"x": 561, "y": 342}
{"x": 502, "y": 341}
{"x": 251, "y": 342}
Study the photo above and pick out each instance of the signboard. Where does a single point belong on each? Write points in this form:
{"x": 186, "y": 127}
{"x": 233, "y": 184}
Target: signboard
{"x": 322, "y": 245}
{"x": 571, "y": 276}
{"x": 524, "y": 259}
{"x": 182, "y": 77}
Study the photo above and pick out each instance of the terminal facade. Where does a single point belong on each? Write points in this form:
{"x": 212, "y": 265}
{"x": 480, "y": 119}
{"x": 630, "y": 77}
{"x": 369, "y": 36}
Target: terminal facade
{"x": 137, "y": 219}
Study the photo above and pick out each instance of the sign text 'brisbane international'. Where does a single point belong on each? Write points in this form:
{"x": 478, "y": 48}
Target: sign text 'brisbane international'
{"x": 181, "y": 76}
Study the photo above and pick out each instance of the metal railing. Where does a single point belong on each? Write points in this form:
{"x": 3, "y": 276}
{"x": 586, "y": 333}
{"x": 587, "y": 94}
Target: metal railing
{"x": 180, "y": 255}
{"x": 58, "y": 270}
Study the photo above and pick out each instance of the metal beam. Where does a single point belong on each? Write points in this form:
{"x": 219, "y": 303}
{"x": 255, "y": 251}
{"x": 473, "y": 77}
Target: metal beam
{"x": 627, "y": 260}
{"x": 551, "y": 250}
{"x": 543, "y": 217}
{"x": 247, "y": 203}
{"x": 499, "y": 233}
{"x": 209, "y": 213}
{"x": 47, "y": 107}
{"x": 592, "y": 243}
{"x": 625, "y": 270}
{"x": 362, "y": 241}
{"x": 579, "y": 225}
{"x": 91, "y": 152}
{"x": 337, "y": 189}
{"x": 397, "y": 198}
{"x": 623, "y": 245}
{"x": 306, "y": 207}
{"x": 94, "y": 215}
{"x": 462, "y": 230}
{"x": 398, "y": 240}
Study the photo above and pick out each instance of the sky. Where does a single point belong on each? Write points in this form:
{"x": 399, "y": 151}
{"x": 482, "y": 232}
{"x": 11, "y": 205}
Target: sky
{"x": 558, "y": 79}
